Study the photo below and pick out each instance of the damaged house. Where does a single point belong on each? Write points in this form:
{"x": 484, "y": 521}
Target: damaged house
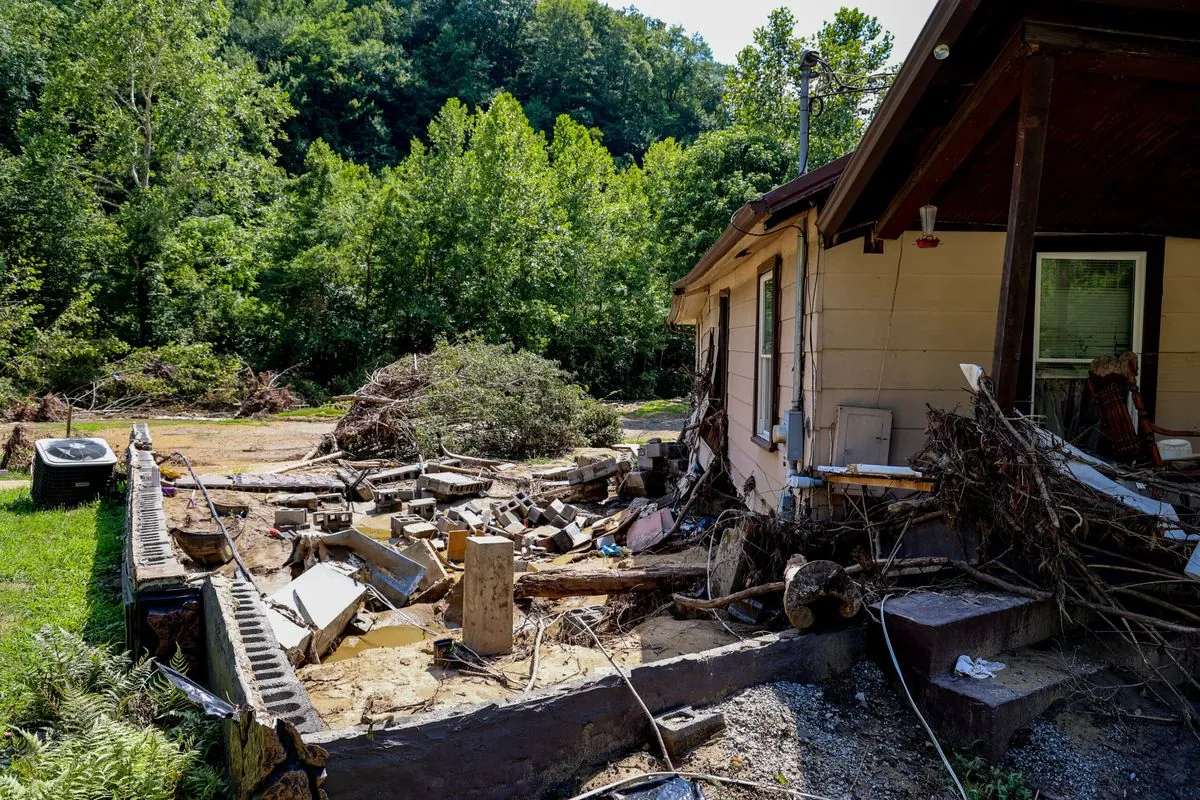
{"x": 1049, "y": 149}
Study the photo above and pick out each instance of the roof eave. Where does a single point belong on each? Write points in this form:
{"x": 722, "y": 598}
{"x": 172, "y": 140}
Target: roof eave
{"x": 944, "y": 25}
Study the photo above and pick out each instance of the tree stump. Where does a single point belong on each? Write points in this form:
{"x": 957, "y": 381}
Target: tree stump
{"x": 818, "y": 591}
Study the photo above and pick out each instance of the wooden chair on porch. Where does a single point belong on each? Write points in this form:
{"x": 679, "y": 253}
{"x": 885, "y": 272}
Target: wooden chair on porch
{"x": 1112, "y": 381}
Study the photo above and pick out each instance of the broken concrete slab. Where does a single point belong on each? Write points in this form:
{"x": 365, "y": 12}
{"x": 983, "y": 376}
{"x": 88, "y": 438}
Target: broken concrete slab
{"x": 325, "y": 598}
{"x": 422, "y": 552}
{"x": 414, "y": 528}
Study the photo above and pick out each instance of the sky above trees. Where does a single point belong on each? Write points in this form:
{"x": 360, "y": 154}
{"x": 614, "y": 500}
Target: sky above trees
{"x": 728, "y": 26}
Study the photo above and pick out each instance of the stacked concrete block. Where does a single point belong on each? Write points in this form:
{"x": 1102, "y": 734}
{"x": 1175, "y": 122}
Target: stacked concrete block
{"x": 332, "y": 520}
{"x": 423, "y": 507}
{"x": 388, "y": 500}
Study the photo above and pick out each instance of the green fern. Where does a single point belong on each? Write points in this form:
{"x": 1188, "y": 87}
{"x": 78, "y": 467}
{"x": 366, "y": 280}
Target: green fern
{"x": 95, "y": 725}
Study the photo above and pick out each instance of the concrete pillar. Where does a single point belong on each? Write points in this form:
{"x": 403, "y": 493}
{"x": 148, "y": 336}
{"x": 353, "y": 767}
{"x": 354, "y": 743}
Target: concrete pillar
{"x": 488, "y": 595}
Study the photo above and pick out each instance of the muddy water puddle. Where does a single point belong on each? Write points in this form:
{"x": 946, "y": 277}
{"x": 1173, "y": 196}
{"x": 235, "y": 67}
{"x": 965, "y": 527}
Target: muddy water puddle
{"x": 391, "y": 636}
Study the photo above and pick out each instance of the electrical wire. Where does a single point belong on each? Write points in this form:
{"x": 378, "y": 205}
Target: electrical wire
{"x": 579, "y": 618}
{"x": 698, "y": 776}
{"x": 895, "y": 663}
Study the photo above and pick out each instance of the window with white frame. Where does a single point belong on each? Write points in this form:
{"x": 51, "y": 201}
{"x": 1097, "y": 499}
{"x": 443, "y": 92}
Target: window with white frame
{"x": 1087, "y": 305}
{"x": 764, "y": 400}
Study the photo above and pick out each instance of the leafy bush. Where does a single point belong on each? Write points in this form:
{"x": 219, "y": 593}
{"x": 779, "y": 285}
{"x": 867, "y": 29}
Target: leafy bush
{"x": 93, "y": 724}
{"x": 475, "y": 398}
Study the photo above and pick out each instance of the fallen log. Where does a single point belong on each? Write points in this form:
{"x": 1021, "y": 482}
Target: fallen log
{"x": 311, "y": 462}
{"x": 565, "y": 582}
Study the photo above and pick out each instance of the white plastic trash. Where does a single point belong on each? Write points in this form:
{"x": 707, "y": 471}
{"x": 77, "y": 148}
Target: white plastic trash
{"x": 1174, "y": 449}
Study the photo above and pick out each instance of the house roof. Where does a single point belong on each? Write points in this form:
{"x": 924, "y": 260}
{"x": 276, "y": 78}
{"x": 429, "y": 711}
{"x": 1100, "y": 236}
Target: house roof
{"x": 771, "y": 208}
{"x": 1123, "y": 123}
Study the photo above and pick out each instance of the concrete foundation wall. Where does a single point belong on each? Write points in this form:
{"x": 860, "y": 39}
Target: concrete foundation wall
{"x": 246, "y": 665}
{"x": 530, "y": 746}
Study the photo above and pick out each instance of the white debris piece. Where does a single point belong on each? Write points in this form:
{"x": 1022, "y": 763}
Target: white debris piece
{"x": 978, "y": 668}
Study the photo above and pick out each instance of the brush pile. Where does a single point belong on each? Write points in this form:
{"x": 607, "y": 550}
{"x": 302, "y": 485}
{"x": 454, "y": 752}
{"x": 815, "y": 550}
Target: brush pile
{"x": 264, "y": 395}
{"x": 18, "y": 450}
{"x": 473, "y": 398}
{"x": 50, "y": 408}
{"x": 1108, "y": 544}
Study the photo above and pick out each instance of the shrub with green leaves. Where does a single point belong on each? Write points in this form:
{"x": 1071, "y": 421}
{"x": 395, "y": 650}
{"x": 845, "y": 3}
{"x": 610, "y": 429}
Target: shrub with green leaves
{"x": 475, "y": 398}
{"x": 494, "y": 400}
{"x": 93, "y": 724}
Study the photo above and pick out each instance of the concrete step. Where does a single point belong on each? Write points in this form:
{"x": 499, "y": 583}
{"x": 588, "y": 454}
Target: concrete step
{"x": 967, "y": 711}
{"x": 930, "y": 630}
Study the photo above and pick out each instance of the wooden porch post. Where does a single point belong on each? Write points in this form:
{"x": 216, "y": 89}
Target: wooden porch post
{"x": 1037, "y": 76}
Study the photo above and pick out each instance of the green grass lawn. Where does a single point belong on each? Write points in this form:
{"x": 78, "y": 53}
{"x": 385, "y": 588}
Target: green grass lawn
{"x": 654, "y": 408}
{"x": 58, "y": 567}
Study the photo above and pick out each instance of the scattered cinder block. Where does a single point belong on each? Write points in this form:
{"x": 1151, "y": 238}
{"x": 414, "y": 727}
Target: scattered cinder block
{"x": 424, "y": 507}
{"x": 536, "y": 515}
{"x": 541, "y": 536}
{"x": 419, "y": 530}
{"x": 466, "y": 517}
{"x": 446, "y": 485}
{"x": 332, "y": 520}
{"x": 398, "y": 522}
{"x": 655, "y": 448}
{"x": 291, "y": 518}
{"x": 603, "y": 469}
{"x": 516, "y": 529}
{"x": 685, "y": 728}
{"x": 570, "y": 537}
{"x": 387, "y": 500}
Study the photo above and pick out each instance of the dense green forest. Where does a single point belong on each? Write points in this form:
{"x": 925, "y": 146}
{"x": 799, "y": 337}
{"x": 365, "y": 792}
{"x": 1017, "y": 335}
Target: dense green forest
{"x": 323, "y": 185}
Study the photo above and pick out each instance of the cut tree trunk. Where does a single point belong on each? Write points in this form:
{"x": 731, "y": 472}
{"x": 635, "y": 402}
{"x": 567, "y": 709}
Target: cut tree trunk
{"x": 817, "y": 591}
{"x": 558, "y": 583}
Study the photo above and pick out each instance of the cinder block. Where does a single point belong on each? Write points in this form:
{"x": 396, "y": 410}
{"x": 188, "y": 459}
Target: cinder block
{"x": 398, "y": 522}
{"x": 570, "y": 537}
{"x": 466, "y": 517}
{"x": 419, "y": 530}
{"x": 536, "y": 515}
{"x": 291, "y": 517}
{"x": 422, "y": 552}
{"x": 424, "y": 507}
{"x": 332, "y": 520}
{"x": 685, "y": 728}
{"x": 655, "y": 448}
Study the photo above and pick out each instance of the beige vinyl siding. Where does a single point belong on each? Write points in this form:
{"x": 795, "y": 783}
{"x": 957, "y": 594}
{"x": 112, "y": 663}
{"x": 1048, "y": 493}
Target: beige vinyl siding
{"x": 745, "y": 457}
{"x": 894, "y": 326}
{"x": 1178, "y": 402}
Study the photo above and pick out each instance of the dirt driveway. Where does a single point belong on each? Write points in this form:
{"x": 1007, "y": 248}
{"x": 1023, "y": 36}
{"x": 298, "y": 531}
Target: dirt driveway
{"x": 233, "y": 445}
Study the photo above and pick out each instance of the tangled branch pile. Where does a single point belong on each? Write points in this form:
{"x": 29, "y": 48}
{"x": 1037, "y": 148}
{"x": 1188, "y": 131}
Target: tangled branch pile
{"x": 50, "y": 408}
{"x": 474, "y": 398}
{"x": 1057, "y": 523}
{"x": 18, "y": 450}
{"x": 264, "y": 395}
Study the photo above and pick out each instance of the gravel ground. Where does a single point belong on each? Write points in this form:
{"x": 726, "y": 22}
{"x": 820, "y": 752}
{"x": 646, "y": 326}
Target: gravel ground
{"x": 856, "y": 737}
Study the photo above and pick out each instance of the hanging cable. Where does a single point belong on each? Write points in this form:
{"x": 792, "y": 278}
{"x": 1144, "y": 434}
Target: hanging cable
{"x": 895, "y": 663}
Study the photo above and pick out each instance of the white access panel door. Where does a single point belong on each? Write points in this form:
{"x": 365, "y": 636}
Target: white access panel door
{"x": 862, "y": 436}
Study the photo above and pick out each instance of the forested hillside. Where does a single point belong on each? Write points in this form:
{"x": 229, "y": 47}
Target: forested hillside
{"x": 187, "y": 187}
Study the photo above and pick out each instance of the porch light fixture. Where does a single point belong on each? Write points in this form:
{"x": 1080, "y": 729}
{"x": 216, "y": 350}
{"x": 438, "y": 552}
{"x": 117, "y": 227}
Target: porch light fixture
{"x": 941, "y": 52}
{"x": 928, "y": 220}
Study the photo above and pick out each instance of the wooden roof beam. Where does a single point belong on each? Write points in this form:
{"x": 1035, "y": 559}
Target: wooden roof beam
{"x": 1111, "y": 51}
{"x": 995, "y": 92}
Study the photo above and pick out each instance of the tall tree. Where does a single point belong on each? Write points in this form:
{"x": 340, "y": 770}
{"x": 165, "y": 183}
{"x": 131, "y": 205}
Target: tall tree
{"x": 763, "y": 87}
{"x": 143, "y": 115}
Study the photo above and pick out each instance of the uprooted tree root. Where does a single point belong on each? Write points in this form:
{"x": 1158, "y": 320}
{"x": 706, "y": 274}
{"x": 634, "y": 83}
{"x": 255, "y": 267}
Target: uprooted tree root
{"x": 50, "y": 408}
{"x": 18, "y": 450}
